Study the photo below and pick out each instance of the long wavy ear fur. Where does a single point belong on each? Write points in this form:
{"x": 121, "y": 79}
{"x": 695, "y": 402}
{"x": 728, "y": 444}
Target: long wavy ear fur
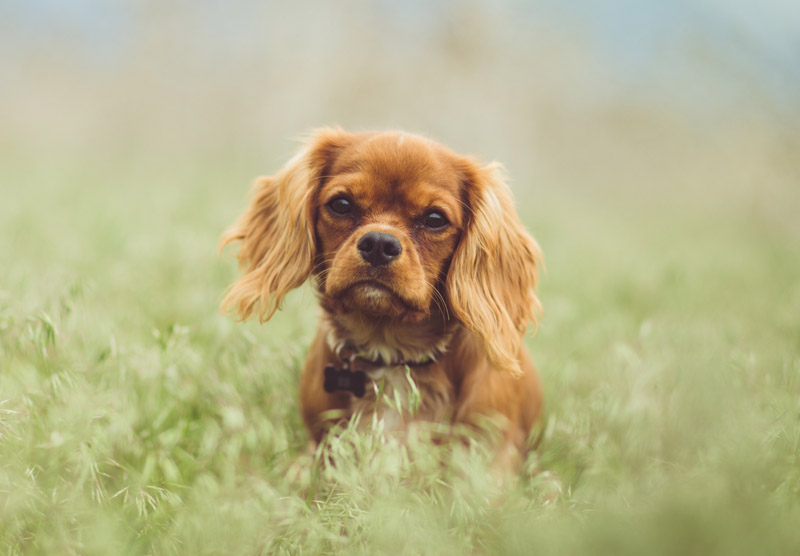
{"x": 494, "y": 270}
{"x": 276, "y": 231}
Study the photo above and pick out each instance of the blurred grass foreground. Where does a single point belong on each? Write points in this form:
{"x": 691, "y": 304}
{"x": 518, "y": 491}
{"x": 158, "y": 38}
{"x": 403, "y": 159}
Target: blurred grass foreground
{"x": 654, "y": 154}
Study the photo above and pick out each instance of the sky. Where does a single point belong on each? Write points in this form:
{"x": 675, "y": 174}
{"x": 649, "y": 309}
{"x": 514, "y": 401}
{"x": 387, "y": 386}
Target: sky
{"x": 697, "y": 55}
{"x": 633, "y": 32}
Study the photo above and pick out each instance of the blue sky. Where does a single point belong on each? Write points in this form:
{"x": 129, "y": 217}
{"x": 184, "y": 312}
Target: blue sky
{"x": 758, "y": 42}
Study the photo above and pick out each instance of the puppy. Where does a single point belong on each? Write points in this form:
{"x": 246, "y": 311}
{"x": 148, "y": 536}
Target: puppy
{"x": 425, "y": 277}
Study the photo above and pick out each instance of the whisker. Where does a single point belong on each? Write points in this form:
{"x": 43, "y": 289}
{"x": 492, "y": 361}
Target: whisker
{"x": 323, "y": 262}
{"x": 442, "y": 303}
{"x": 438, "y": 299}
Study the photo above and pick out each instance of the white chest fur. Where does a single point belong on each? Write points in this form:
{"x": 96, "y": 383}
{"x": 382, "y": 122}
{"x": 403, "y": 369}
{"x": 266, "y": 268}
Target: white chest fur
{"x": 398, "y": 395}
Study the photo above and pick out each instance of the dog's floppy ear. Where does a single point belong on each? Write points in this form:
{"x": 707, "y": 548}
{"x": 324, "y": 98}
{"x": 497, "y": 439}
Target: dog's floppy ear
{"x": 493, "y": 273}
{"x": 276, "y": 231}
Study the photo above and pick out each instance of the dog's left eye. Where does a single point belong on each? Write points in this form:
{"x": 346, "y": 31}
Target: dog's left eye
{"x": 341, "y": 205}
{"x": 435, "y": 220}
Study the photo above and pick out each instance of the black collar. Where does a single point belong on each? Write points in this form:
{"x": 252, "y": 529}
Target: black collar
{"x": 377, "y": 363}
{"x": 346, "y": 379}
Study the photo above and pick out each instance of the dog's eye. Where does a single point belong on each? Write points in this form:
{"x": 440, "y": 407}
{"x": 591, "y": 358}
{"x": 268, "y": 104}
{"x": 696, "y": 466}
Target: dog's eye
{"x": 340, "y": 205}
{"x": 435, "y": 220}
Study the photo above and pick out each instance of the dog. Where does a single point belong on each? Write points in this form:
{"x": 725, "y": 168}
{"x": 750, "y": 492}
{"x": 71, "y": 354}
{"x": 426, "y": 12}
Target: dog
{"x": 424, "y": 273}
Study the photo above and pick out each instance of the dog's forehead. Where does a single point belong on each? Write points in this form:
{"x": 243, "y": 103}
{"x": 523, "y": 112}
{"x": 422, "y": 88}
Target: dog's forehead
{"x": 398, "y": 166}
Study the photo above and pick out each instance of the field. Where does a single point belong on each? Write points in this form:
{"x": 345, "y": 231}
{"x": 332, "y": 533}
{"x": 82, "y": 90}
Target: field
{"x": 135, "y": 419}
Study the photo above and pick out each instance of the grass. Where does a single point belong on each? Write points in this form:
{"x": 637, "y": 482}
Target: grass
{"x": 134, "y": 419}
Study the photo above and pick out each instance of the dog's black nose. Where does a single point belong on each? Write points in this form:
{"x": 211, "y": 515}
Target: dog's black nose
{"x": 379, "y": 249}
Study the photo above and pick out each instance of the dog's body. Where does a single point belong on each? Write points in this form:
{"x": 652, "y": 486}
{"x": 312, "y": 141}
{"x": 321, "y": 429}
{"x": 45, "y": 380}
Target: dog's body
{"x": 424, "y": 273}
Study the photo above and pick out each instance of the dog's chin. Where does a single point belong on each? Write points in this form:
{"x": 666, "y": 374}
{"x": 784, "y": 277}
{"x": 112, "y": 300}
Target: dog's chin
{"x": 375, "y": 300}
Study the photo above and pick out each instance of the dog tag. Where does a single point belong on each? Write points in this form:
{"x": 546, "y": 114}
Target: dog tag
{"x": 345, "y": 380}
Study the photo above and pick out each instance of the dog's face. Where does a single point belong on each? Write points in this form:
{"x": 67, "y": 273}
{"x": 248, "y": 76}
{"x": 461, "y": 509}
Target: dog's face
{"x": 395, "y": 228}
{"x": 389, "y": 214}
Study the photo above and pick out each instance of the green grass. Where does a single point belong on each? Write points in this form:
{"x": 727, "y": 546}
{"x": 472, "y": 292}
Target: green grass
{"x": 134, "y": 419}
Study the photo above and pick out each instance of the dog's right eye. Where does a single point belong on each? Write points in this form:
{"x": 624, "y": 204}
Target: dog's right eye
{"x": 341, "y": 205}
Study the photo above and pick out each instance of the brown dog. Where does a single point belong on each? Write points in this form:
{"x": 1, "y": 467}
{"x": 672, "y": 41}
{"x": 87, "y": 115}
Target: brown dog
{"x": 424, "y": 273}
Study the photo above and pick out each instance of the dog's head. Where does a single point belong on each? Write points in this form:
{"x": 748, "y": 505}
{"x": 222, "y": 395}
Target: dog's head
{"x": 393, "y": 227}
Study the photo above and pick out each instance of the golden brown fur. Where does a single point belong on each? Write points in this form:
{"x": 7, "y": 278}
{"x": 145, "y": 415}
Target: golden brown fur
{"x": 461, "y": 293}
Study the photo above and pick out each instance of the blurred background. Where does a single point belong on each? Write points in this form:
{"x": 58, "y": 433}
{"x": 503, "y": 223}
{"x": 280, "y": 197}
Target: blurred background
{"x": 657, "y": 98}
{"x": 653, "y": 149}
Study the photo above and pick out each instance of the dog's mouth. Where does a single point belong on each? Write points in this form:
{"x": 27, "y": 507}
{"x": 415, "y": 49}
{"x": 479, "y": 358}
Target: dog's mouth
{"x": 375, "y": 298}
{"x": 373, "y": 285}
{"x": 374, "y": 291}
